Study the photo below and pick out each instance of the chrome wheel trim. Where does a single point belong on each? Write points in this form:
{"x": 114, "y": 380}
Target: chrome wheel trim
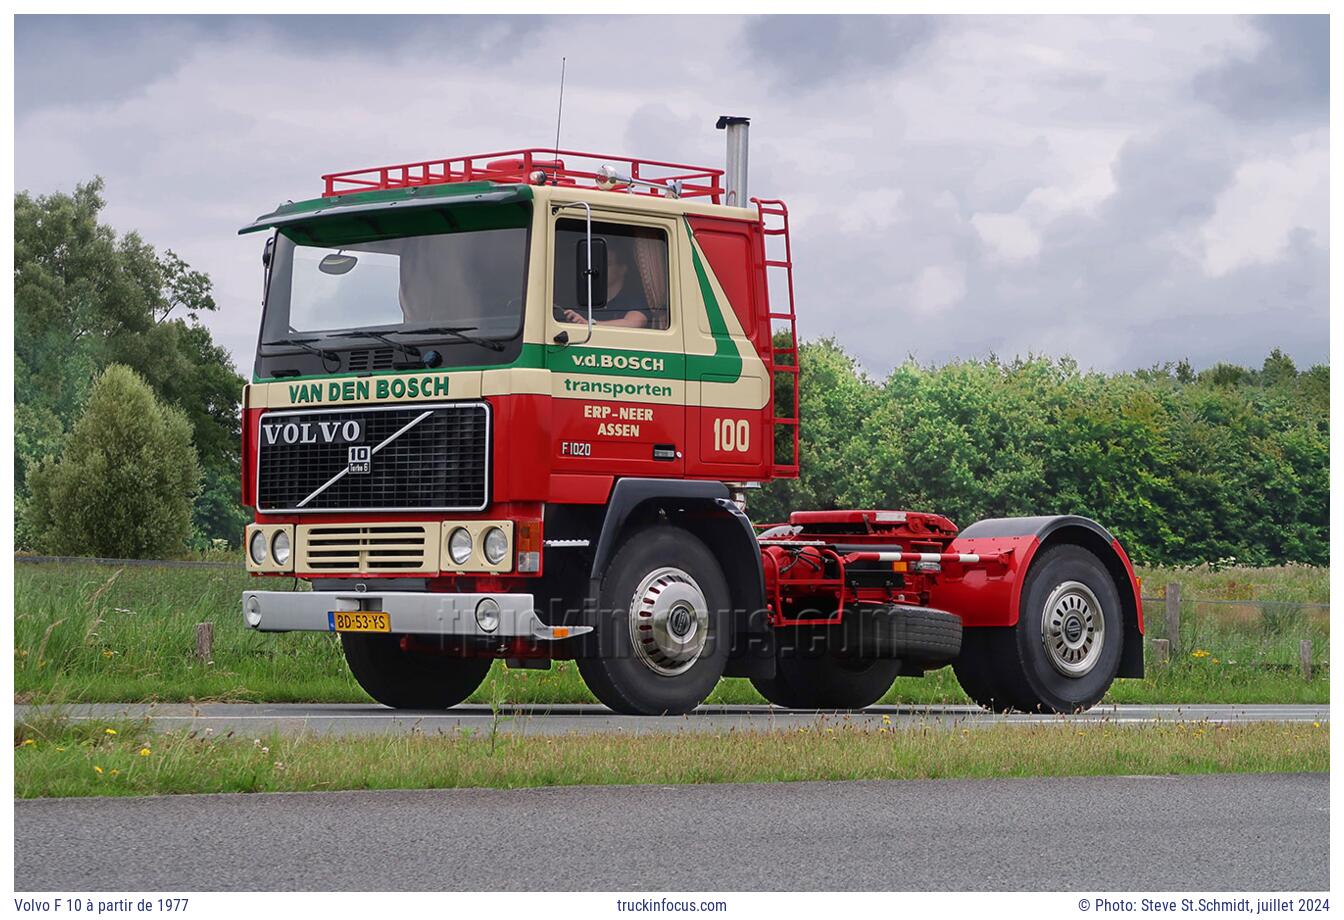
{"x": 1073, "y": 629}
{"x": 669, "y": 621}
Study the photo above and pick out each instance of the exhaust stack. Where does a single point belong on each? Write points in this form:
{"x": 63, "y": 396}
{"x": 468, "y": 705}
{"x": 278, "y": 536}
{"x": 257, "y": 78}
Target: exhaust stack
{"x": 735, "y": 170}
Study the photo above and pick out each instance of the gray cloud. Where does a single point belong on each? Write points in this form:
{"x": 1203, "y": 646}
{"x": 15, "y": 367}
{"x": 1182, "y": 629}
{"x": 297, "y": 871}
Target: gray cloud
{"x": 812, "y": 52}
{"x": 73, "y": 59}
{"x": 1056, "y": 185}
{"x": 1288, "y": 76}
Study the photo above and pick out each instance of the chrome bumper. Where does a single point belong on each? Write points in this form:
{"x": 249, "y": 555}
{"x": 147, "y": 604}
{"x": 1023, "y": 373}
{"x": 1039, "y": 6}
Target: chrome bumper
{"x": 419, "y": 612}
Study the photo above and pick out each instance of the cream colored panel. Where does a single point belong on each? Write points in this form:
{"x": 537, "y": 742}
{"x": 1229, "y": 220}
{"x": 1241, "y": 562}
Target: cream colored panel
{"x": 657, "y": 390}
{"x": 477, "y": 562}
{"x": 427, "y": 386}
{"x": 410, "y": 548}
{"x": 511, "y": 382}
{"x": 270, "y": 530}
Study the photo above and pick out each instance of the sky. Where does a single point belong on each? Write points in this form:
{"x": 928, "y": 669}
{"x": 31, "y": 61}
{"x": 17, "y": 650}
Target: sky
{"x": 1129, "y": 191}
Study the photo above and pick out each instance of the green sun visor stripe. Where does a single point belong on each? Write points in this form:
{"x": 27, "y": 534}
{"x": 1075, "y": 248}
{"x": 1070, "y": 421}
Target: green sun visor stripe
{"x": 379, "y": 204}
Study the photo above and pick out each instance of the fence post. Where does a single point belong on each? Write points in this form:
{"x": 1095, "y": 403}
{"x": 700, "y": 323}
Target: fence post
{"x": 1305, "y": 652}
{"x": 1174, "y": 618}
{"x": 205, "y": 641}
{"x": 1161, "y": 652}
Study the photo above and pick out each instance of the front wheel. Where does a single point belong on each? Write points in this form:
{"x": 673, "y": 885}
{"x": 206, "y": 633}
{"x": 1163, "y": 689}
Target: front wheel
{"x": 1064, "y": 651}
{"x": 660, "y": 639}
{"x": 408, "y": 679}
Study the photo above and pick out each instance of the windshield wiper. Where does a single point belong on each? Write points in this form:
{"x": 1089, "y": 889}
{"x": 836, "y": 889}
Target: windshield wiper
{"x": 322, "y": 353}
{"x": 457, "y": 332}
{"x": 408, "y": 350}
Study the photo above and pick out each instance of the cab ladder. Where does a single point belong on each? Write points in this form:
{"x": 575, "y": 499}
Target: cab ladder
{"x": 783, "y": 352}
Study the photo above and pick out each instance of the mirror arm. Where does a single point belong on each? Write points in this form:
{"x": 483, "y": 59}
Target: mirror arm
{"x": 588, "y": 238}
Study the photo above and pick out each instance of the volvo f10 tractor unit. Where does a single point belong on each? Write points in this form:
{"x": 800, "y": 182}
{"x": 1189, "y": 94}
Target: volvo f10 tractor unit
{"x": 512, "y": 405}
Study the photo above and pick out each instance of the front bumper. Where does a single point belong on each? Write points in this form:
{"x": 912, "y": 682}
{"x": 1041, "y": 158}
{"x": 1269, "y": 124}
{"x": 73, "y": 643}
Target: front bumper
{"x": 418, "y": 612}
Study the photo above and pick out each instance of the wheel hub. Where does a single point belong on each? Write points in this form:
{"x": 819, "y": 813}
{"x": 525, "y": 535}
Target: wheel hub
{"x": 680, "y": 621}
{"x": 1073, "y": 629}
{"x": 669, "y": 621}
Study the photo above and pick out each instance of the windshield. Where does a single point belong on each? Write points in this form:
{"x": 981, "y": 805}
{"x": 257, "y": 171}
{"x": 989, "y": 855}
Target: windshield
{"x": 463, "y": 289}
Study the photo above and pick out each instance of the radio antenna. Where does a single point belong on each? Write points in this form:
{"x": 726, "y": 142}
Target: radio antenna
{"x": 559, "y": 111}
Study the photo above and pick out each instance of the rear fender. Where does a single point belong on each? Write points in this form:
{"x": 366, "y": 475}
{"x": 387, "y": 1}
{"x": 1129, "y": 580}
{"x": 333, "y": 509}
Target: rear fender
{"x": 993, "y": 598}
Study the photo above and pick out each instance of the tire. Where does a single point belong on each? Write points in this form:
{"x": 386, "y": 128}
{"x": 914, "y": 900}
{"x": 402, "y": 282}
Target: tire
{"x": 908, "y": 633}
{"x": 1064, "y": 651}
{"x": 664, "y": 587}
{"x": 809, "y": 679}
{"x": 975, "y": 668}
{"x": 411, "y": 680}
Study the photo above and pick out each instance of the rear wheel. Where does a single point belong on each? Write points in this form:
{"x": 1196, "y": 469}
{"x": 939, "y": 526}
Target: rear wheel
{"x": 809, "y": 678}
{"x": 975, "y": 668}
{"x": 411, "y": 679}
{"x": 1064, "y": 651}
{"x": 660, "y": 637}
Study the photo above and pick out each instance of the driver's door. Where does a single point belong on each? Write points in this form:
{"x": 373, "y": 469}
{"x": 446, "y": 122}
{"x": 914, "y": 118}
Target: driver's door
{"x": 619, "y": 396}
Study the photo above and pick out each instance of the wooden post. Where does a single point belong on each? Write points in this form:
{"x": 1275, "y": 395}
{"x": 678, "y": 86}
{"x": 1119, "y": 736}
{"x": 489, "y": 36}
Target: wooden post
{"x": 1305, "y": 652}
{"x": 205, "y": 641}
{"x": 1161, "y": 652}
{"x": 1174, "y": 618}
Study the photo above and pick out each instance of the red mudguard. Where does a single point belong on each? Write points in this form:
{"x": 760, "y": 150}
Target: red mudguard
{"x": 984, "y": 597}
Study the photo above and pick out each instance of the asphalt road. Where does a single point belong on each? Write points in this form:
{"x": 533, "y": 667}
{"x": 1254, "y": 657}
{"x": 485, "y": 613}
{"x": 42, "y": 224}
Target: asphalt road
{"x": 349, "y": 718}
{"x": 1205, "y": 833}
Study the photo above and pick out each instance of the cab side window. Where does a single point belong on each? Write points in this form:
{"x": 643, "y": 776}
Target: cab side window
{"x": 636, "y": 280}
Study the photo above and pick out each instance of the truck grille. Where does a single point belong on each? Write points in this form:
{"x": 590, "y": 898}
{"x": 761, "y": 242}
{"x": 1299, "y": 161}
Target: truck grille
{"x": 408, "y": 547}
{"x": 439, "y": 463}
{"x": 370, "y": 359}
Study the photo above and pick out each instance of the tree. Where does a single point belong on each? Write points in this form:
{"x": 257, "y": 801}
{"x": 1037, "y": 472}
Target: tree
{"x": 86, "y": 299}
{"x": 125, "y": 480}
{"x": 1182, "y": 467}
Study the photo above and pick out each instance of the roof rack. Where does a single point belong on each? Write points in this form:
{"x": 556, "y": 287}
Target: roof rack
{"x": 538, "y": 166}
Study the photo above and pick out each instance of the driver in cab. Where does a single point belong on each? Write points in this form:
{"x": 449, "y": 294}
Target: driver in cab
{"x": 625, "y": 304}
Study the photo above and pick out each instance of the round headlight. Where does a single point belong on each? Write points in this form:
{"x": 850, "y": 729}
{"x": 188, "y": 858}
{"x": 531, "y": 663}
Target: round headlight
{"x": 256, "y": 547}
{"x": 253, "y": 610}
{"x": 487, "y": 614}
{"x": 280, "y": 547}
{"x": 496, "y": 546}
{"x": 459, "y": 546}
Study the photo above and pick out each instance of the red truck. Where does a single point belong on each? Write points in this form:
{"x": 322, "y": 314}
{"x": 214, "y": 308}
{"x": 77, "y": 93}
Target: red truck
{"x": 512, "y": 405}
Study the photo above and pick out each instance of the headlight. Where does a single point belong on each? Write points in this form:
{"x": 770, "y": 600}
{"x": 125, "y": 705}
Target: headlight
{"x": 280, "y": 547}
{"x": 496, "y": 546}
{"x": 256, "y": 547}
{"x": 253, "y": 610}
{"x": 487, "y": 614}
{"x": 459, "y": 546}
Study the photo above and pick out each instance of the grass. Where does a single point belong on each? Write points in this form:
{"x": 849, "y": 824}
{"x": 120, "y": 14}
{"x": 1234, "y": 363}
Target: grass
{"x": 54, "y": 757}
{"x": 86, "y": 633}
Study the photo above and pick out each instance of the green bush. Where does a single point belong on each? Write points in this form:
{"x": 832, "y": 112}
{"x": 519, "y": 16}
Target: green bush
{"x": 1183, "y": 467}
{"x": 85, "y": 298}
{"x": 124, "y": 482}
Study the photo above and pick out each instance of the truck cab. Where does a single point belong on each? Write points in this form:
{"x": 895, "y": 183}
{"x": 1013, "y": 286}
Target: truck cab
{"x": 460, "y": 360}
{"x": 510, "y": 406}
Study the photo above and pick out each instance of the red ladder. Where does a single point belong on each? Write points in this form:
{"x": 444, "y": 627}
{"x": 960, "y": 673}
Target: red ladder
{"x": 783, "y": 356}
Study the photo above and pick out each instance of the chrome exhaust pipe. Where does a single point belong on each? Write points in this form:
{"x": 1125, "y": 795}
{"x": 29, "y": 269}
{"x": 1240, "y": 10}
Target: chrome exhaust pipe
{"x": 735, "y": 168}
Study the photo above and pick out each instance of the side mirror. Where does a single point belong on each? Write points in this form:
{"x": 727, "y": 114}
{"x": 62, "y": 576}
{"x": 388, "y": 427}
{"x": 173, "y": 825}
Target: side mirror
{"x": 597, "y": 271}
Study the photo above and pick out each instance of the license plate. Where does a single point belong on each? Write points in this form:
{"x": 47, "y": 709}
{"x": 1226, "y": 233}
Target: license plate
{"x": 358, "y": 621}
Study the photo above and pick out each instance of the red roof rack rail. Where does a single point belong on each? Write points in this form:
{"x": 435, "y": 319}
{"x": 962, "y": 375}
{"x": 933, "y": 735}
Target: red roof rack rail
{"x": 538, "y": 166}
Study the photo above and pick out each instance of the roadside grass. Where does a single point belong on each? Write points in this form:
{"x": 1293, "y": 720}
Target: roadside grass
{"x": 54, "y": 757}
{"x": 93, "y": 633}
